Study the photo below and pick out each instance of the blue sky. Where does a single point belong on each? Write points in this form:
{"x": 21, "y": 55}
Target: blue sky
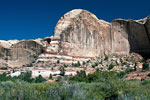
{"x": 30, "y": 19}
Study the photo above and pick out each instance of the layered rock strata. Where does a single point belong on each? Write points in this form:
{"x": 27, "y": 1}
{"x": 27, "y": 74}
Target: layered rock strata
{"x": 79, "y": 34}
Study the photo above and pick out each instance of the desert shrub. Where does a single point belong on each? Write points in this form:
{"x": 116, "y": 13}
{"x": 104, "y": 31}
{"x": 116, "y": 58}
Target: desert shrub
{"x": 76, "y": 64}
{"x": 82, "y": 73}
{"x": 58, "y": 62}
{"x": 96, "y": 63}
{"x": 145, "y": 64}
{"x": 65, "y": 66}
{"x": 93, "y": 66}
{"x": 95, "y": 77}
{"x": 80, "y": 77}
{"x": 3, "y": 77}
{"x": 30, "y": 65}
{"x": 39, "y": 79}
{"x": 124, "y": 63}
{"x": 88, "y": 61}
{"x": 59, "y": 79}
{"x": 148, "y": 74}
{"x": 102, "y": 86}
{"x": 84, "y": 63}
{"x": 100, "y": 62}
{"x": 54, "y": 65}
{"x": 62, "y": 71}
{"x": 106, "y": 58}
{"x": 50, "y": 76}
{"x": 111, "y": 66}
{"x": 128, "y": 70}
{"x": 26, "y": 76}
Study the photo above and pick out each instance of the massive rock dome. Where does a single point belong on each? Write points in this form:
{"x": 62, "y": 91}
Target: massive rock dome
{"x": 81, "y": 34}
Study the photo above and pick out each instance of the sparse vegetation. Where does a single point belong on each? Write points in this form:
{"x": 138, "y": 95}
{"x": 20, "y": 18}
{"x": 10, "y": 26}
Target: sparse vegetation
{"x": 39, "y": 79}
{"x": 96, "y": 86}
{"x": 24, "y": 76}
{"x": 76, "y": 64}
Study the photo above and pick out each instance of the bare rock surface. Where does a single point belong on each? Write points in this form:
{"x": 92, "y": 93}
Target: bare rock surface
{"x": 81, "y": 33}
{"x": 135, "y": 32}
{"x": 19, "y": 54}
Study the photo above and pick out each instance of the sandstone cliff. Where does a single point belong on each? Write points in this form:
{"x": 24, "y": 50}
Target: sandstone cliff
{"x": 80, "y": 34}
{"x": 136, "y": 34}
{"x": 19, "y": 54}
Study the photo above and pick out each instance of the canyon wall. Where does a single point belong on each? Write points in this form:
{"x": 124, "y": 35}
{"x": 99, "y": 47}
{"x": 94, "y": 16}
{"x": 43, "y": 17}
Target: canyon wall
{"x": 19, "y": 54}
{"x": 79, "y": 36}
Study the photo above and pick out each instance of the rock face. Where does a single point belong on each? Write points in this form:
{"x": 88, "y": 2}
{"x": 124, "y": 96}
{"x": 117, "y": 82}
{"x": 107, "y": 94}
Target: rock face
{"x": 80, "y": 34}
{"x": 19, "y": 54}
{"x": 135, "y": 32}
{"x": 29, "y": 45}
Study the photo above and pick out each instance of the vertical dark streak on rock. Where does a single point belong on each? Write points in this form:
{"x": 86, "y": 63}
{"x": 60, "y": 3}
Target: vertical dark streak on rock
{"x": 103, "y": 43}
{"x": 147, "y": 33}
{"x": 60, "y": 44}
{"x": 111, "y": 40}
{"x": 129, "y": 37}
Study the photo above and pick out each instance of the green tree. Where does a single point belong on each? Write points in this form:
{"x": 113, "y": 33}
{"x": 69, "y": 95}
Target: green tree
{"x": 39, "y": 79}
{"x": 106, "y": 58}
{"x": 50, "y": 76}
{"x": 78, "y": 64}
{"x": 26, "y": 76}
{"x": 62, "y": 71}
{"x": 58, "y": 61}
{"x": 111, "y": 66}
